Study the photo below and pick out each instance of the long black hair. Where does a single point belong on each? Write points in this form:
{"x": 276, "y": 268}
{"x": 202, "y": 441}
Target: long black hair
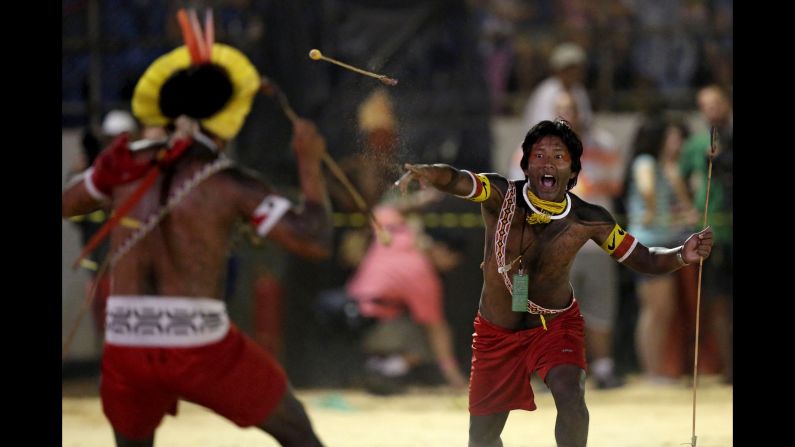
{"x": 649, "y": 139}
{"x": 559, "y": 128}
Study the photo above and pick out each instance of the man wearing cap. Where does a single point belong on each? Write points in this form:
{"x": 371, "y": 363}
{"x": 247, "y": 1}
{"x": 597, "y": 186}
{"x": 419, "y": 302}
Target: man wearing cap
{"x": 567, "y": 64}
{"x": 168, "y": 335}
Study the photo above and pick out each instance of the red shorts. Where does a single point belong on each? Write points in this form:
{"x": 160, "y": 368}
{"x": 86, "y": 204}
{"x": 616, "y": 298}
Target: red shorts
{"x": 233, "y": 377}
{"x": 503, "y": 360}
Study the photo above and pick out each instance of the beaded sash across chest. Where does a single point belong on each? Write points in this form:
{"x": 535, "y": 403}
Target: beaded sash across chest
{"x": 501, "y": 233}
{"x": 501, "y": 242}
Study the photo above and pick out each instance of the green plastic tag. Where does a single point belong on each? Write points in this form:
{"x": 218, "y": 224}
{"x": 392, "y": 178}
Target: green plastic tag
{"x": 519, "y": 295}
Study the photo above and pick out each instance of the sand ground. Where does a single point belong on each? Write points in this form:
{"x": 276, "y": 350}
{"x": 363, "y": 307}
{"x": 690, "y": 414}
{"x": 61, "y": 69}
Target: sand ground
{"x": 637, "y": 415}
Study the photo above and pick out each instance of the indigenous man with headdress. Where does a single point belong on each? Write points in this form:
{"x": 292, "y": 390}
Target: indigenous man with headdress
{"x": 168, "y": 335}
{"x": 528, "y": 319}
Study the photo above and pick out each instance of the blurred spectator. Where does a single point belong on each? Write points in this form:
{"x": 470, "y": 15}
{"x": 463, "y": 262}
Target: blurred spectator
{"x": 593, "y": 275}
{"x": 498, "y": 27}
{"x": 114, "y": 124}
{"x": 664, "y": 52}
{"x": 567, "y": 63}
{"x": 399, "y": 285}
{"x": 117, "y": 122}
{"x": 370, "y": 168}
{"x": 659, "y": 214}
{"x": 621, "y": 37}
{"x": 411, "y": 340}
{"x": 715, "y": 106}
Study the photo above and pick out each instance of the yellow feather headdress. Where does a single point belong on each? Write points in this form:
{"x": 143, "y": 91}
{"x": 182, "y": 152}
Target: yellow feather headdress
{"x": 211, "y": 82}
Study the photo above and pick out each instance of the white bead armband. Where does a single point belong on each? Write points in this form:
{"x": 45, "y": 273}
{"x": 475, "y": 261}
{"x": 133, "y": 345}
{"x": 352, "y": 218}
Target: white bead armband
{"x": 268, "y": 212}
{"x": 92, "y": 189}
{"x": 481, "y": 187}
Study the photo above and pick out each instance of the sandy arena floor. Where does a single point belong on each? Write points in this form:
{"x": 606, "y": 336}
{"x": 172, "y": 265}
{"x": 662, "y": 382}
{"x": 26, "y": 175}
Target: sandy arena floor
{"x": 637, "y": 415}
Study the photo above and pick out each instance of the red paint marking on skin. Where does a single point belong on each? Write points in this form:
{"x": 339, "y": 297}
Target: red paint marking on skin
{"x": 479, "y": 187}
{"x": 566, "y": 156}
{"x": 257, "y": 219}
{"x": 625, "y": 244}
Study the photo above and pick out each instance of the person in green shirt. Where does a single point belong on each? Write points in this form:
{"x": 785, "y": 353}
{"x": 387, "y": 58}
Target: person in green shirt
{"x": 715, "y": 106}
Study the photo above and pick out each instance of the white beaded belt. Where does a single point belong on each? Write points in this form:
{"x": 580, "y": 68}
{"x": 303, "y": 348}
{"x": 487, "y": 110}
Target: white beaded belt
{"x": 534, "y": 308}
{"x": 164, "y": 321}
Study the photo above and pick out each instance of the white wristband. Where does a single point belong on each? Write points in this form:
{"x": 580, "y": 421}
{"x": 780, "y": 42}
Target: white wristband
{"x": 474, "y": 185}
{"x": 92, "y": 188}
{"x": 680, "y": 258}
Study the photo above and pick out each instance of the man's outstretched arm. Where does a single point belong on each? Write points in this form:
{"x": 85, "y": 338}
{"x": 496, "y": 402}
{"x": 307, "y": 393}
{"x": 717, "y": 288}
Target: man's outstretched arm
{"x": 662, "y": 260}
{"x": 76, "y": 199}
{"x": 92, "y": 189}
{"x": 445, "y": 178}
{"x": 305, "y": 230}
{"x": 624, "y": 248}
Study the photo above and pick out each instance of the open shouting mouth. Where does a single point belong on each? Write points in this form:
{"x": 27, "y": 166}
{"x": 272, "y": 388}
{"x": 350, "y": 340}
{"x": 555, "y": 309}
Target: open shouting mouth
{"x": 548, "y": 181}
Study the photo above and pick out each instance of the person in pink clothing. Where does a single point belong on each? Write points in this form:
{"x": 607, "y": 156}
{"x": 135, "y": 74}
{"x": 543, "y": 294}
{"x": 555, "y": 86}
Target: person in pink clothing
{"x": 398, "y": 285}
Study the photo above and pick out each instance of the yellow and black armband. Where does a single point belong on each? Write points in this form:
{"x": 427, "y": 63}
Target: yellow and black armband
{"x": 619, "y": 244}
{"x": 481, "y": 187}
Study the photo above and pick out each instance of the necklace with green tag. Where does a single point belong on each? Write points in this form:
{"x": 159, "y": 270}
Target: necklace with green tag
{"x": 519, "y": 293}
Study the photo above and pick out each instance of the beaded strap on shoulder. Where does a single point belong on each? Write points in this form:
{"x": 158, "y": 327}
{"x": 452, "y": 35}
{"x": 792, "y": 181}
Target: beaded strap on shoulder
{"x": 503, "y": 228}
{"x": 501, "y": 242}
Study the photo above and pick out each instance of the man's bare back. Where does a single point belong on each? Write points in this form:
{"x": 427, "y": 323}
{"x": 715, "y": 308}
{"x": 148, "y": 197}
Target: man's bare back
{"x": 185, "y": 255}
